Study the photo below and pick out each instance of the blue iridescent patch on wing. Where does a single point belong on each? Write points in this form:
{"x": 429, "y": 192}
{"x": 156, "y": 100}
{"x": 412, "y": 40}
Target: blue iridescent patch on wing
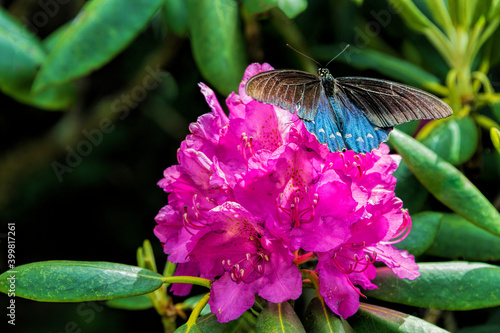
{"x": 357, "y": 132}
{"x": 325, "y": 126}
{"x": 339, "y": 127}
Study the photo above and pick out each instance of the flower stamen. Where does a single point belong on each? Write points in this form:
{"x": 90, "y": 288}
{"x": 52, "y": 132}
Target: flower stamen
{"x": 246, "y": 147}
{"x": 353, "y": 263}
{"x": 297, "y": 215}
{"x": 404, "y": 229}
{"x": 189, "y": 224}
{"x": 252, "y": 266}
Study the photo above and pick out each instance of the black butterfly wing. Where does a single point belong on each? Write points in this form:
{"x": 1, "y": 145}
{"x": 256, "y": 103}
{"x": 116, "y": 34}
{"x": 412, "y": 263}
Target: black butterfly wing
{"x": 295, "y": 91}
{"x": 387, "y": 103}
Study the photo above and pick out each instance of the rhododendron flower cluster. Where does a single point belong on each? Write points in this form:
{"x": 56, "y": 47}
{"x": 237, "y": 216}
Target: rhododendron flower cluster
{"x": 255, "y": 196}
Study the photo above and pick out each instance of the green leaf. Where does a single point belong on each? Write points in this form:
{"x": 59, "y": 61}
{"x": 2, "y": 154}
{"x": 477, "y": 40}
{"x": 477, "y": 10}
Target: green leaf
{"x": 217, "y": 42}
{"x": 175, "y": 12}
{"x": 441, "y": 15}
{"x": 447, "y": 286}
{"x": 409, "y": 127}
{"x": 22, "y": 54}
{"x": 140, "y": 302}
{"x": 459, "y": 239}
{"x": 101, "y": 30}
{"x": 189, "y": 329}
{"x": 259, "y": 6}
{"x": 208, "y": 324}
{"x": 495, "y": 138}
{"x": 192, "y": 301}
{"x": 51, "y": 40}
{"x": 319, "y": 318}
{"x": 486, "y": 122}
{"x": 279, "y": 317}
{"x": 412, "y": 15}
{"x": 425, "y": 227}
{"x": 77, "y": 281}
{"x": 372, "y": 318}
{"x": 454, "y": 140}
{"x": 446, "y": 183}
{"x": 291, "y": 8}
{"x": 395, "y": 68}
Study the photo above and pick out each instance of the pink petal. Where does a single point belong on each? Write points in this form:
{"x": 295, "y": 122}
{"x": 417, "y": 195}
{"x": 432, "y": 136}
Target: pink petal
{"x": 401, "y": 263}
{"x": 228, "y": 300}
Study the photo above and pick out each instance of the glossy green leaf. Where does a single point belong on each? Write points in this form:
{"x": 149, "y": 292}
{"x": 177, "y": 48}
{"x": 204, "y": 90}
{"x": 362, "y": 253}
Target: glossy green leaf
{"x": 192, "y": 301}
{"x": 78, "y": 281}
{"x": 495, "y": 138}
{"x": 56, "y": 97}
{"x": 425, "y": 227}
{"x": 448, "y": 286}
{"x": 101, "y": 30}
{"x": 278, "y": 317}
{"x": 494, "y": 10}
{"x": 409, "y": 128}
{"x": 319, "y": 318}
{"x": 291, "y": 8}
{"x": 486, "y": 122}
{"x": 459, "y": 239}
{"x": 446, "y": 183}
{"x": 175, "y": 12}
{"x": 217, "y": 43}
{"x": 21, "y": 52}
{"x": 372, "y": 318}
{"x": 412, "y": 15}
{"x": 440, "y": 14}
{"x": 189, "y": 329}
{"x": 21, "y": 55}
{"x": 259, "y": 6}
{"x": 51, "y": 40}
{"x": 208, "y": 324}
{"x": 454, "y": 140}
{"x": 140, "y": 302}
{"x": 398, "y": 69}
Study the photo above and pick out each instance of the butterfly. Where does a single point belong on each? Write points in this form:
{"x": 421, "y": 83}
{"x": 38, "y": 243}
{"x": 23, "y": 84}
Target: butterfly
{"x": 354, "y": 113}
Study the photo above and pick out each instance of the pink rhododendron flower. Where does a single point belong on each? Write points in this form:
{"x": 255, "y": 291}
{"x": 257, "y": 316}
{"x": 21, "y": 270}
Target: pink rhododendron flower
{"x": 255, "y": 195}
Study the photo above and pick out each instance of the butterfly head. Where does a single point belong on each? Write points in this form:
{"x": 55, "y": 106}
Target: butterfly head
{"x": 323, "y": 73}
{"x": 327, "y": 81}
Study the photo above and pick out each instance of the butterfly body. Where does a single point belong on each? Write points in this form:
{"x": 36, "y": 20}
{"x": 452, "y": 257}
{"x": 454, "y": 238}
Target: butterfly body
{"x": 353, "y": 113}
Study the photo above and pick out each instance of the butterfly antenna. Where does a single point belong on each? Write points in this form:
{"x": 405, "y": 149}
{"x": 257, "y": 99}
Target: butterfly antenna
{"x": 345, "y": 48}
{"x": 304, "y": 55}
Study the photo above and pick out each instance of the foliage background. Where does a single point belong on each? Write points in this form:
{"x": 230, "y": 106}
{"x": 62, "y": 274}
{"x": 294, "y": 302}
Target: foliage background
{"x": 104, "y": 208}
